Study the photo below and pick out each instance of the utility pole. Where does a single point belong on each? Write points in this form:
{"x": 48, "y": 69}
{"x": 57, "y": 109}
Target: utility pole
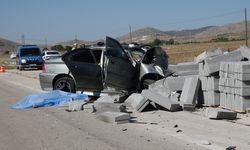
{"x": 46, "y": 45}
{"x": 130, "y": 33}
{"x": 246, "y": 26}
{"x": 23, "y": 39}
{"x": 76, "y": 39}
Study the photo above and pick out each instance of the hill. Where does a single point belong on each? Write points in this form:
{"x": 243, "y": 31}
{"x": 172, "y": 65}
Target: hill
{"x": 145, "y": 35}
{"x": 7, "y": 46}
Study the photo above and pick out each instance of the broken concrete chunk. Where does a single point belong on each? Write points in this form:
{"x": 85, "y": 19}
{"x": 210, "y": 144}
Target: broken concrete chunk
{"x": 173, "y": 83}
{"x": 190, "y": 90}
{"x": 163, "y": 101}
{"x": 136, "y": 101}
{"x": 213, "y": 64}
{"x": 76, "y": 105}
{"x": 218, "y": 113}
{"x": 208, "y": 53}
{"x": 108, "y": 99}
{"x": 114, "y": 107}
{"x": 89, "y": 108}
{"x": 114, "y": 117}
{"x": 245, "y": 51}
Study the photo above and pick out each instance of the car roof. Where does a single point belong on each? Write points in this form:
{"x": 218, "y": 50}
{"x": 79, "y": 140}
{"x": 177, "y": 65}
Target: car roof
{"x": 28, "y": 46}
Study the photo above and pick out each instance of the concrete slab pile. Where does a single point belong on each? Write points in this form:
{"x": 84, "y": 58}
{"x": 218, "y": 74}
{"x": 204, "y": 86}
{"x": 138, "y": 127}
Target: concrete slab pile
{"x": 234, "y": 85}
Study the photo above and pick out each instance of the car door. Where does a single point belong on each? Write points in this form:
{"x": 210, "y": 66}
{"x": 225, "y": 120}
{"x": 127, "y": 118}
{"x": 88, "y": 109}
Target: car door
{"x": 118, "y": 68}
{"x": 85, "y": 69}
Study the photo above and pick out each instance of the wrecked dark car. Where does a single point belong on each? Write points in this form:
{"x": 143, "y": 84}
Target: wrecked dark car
{"x": 111, "y": 69}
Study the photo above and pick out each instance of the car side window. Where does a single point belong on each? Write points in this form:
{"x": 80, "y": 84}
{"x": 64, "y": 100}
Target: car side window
{"x": 83, "y": 56}
{"x": 97, "y": 54}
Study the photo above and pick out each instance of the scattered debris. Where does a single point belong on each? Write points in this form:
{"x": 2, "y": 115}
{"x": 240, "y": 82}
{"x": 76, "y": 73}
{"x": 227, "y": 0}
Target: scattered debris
{"x": 124, "y": 129}
{"x": 231, "y": 148}
{"x": 205, "y": 142}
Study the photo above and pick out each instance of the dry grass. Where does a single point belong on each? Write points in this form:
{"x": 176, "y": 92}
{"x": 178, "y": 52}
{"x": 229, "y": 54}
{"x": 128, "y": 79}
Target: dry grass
{"x": 187, "y": 52}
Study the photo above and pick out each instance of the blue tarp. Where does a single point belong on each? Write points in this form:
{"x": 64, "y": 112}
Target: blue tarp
{"x": 51, "y": 98}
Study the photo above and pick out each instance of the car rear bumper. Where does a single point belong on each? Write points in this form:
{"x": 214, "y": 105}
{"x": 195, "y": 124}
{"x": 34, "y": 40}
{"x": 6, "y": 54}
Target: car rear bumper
{"x": 46, "y": 81}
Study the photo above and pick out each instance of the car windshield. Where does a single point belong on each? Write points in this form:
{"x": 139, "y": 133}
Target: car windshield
{"x": 30, "y": 52}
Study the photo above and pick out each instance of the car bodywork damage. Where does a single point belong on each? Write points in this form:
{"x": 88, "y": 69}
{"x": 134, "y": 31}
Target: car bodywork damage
{"x": 112, "y": 66}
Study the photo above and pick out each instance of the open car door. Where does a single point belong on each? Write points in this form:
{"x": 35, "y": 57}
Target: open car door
{"x": 119, "y": 71}
{"x": 84, "y": 68}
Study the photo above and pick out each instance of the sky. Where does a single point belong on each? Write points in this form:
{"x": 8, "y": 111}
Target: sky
{"x": 62, "y": 20}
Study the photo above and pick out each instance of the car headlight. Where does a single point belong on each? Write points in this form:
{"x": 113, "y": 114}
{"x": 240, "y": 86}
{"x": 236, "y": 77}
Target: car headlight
{"x": 23, "y": 61}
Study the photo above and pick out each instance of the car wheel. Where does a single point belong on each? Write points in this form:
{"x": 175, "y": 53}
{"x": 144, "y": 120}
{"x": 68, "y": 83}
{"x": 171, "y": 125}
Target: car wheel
{"x": 65, "y": 84}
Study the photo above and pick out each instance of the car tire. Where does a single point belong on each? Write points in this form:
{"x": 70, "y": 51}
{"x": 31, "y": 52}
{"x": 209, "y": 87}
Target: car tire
{"x": 65, "y": 84}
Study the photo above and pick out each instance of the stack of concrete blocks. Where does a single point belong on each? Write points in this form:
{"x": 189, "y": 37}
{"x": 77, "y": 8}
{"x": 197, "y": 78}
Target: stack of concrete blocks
{"x": 209, "y": 75}
{"x": 234, "y": 85}
{"x": 210, "y": 89}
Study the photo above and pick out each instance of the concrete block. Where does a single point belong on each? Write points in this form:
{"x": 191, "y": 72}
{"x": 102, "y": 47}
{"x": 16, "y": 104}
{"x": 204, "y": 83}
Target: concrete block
{"x": 242, "y": 91}
{"x": 190, "y": 90}
{"x": 76, "y": 105}
{"x": 213, "y": 83}
{"x": 213, "y": 63}
{"x": 108, "y": 99}
{"x": 203, "y": 70}
{"x": 189, "y": 68}
{"x": 211, "y": 98}
{"x": 165, "y": 102}
{"x": 223, "y": 98}
{"x": 89, "y": 108}
{"x": 188, "y": 107}
{"x": 143, "y": 106}
{"x": 245, "y": 52}
{"x": 114, "y": 107}
{"x": 243, "y": 77}
{"x": 173, "y": 83}
{"x": 114, "y": 117}
{"x": 242, "y": 103}
{"x": 208, "y": 53}
{"x": 218, "y": 113}
{"x": 136, "y": 101}
{"x": 242, "y": 84}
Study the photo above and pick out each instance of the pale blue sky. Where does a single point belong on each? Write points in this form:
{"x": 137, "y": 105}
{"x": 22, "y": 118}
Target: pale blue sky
{"x": 60, "y": 20}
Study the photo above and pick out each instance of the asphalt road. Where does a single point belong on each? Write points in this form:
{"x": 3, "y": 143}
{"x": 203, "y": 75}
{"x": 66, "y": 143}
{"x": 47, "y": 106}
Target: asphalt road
{"x": 54, "y": 128}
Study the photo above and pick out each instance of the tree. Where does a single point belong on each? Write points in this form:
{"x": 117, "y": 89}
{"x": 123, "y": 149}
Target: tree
{"x": 157, "y": 42}
{"x": 171, "y": 41}
{"x": 58, "y": 47}
{"x": 68, "y": 48}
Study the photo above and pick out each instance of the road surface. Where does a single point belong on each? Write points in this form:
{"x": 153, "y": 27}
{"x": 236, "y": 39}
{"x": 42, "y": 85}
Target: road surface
{"x": 54, "y": 128}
